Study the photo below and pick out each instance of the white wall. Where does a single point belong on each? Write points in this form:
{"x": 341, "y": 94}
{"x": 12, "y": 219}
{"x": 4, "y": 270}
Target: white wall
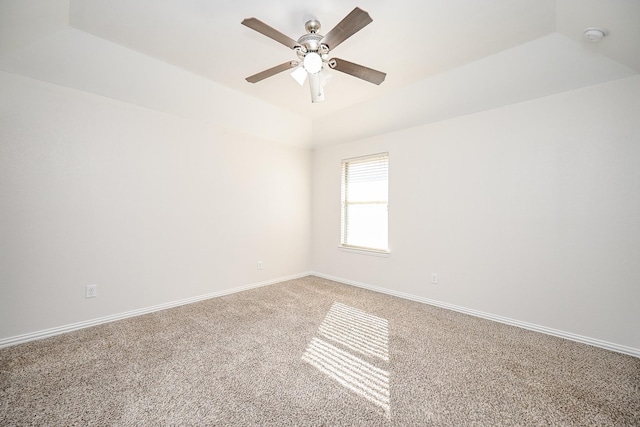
{"x": 530, "y": 212}
{"x": 151, "y": 207}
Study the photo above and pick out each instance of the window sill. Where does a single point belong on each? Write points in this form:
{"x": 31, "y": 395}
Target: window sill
{"x": 362, "y": 251}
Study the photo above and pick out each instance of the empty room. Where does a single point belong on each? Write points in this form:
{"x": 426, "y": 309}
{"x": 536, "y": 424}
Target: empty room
{"x": 319, "y": 213}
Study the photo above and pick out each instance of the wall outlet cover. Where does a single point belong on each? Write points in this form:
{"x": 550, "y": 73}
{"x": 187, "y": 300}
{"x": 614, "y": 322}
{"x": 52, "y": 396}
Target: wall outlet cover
{"x": 92, "y": 291}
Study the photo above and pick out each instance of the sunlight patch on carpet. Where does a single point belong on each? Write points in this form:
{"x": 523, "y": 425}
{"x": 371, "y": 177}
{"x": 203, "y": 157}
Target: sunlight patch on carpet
{"x": 358, "y": 330}
{"x": 353, "y": 331}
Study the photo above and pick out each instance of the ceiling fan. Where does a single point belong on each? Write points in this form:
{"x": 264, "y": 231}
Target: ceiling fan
{"x": 313, "y": 50}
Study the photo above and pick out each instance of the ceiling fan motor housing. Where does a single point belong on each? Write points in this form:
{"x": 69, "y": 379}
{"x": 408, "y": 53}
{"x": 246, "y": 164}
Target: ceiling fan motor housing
{"x": 310, "y": 42}
{"x": 311, "y": 51}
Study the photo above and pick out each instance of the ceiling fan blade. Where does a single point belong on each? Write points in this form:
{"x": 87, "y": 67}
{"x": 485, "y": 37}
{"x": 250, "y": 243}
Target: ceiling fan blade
{"x": 271, "y": 71}
{"x": 261, "y": 27}
{"x": 351, "y": 24}
{"x": 359, "y": 71}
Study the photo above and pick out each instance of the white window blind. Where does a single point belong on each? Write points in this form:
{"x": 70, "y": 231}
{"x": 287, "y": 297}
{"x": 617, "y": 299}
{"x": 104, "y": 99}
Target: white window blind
{"x": 365, "y": 191}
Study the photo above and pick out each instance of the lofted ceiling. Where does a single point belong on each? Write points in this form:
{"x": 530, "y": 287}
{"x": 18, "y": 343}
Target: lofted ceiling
{"x": 442, "y": 58}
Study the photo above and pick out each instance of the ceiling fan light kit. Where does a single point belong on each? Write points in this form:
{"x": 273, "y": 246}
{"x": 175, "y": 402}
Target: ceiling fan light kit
{"x": 313, "y": 50}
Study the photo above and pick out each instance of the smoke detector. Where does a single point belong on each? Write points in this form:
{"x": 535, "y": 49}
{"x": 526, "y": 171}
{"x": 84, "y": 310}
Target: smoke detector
{"x": 595, "y": 34}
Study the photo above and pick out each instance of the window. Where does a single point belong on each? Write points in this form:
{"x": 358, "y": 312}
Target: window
{"x": 365, "y": 190}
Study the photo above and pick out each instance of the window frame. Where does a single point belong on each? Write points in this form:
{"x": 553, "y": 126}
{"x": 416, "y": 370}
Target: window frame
{"x": 344, "y": 205}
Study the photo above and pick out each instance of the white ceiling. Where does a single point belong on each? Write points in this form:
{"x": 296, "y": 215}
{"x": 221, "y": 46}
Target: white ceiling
{"x": 442, "y": 58}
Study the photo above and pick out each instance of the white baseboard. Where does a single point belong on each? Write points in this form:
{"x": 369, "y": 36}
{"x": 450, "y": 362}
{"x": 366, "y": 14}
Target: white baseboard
{"x": 525, "y": 325}
{"x": 19, "y": 339}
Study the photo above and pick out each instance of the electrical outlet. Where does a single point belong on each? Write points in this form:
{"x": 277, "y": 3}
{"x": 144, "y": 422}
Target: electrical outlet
{"x": 434, "y": 278}
{"x": 259, "y": 265}
{"x": 92, "y": 291}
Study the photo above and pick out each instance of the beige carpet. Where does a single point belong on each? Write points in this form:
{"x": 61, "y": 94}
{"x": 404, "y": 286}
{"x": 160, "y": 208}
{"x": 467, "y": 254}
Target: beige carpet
{"x": 313, "y": 352}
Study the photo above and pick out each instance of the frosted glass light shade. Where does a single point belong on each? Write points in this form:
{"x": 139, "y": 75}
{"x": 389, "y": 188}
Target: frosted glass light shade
{"x": 299, "y": 75}
{"x": 312, "y": 63}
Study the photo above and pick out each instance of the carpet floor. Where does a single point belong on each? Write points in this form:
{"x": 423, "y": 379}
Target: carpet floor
{"x": 312, "y": 352}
